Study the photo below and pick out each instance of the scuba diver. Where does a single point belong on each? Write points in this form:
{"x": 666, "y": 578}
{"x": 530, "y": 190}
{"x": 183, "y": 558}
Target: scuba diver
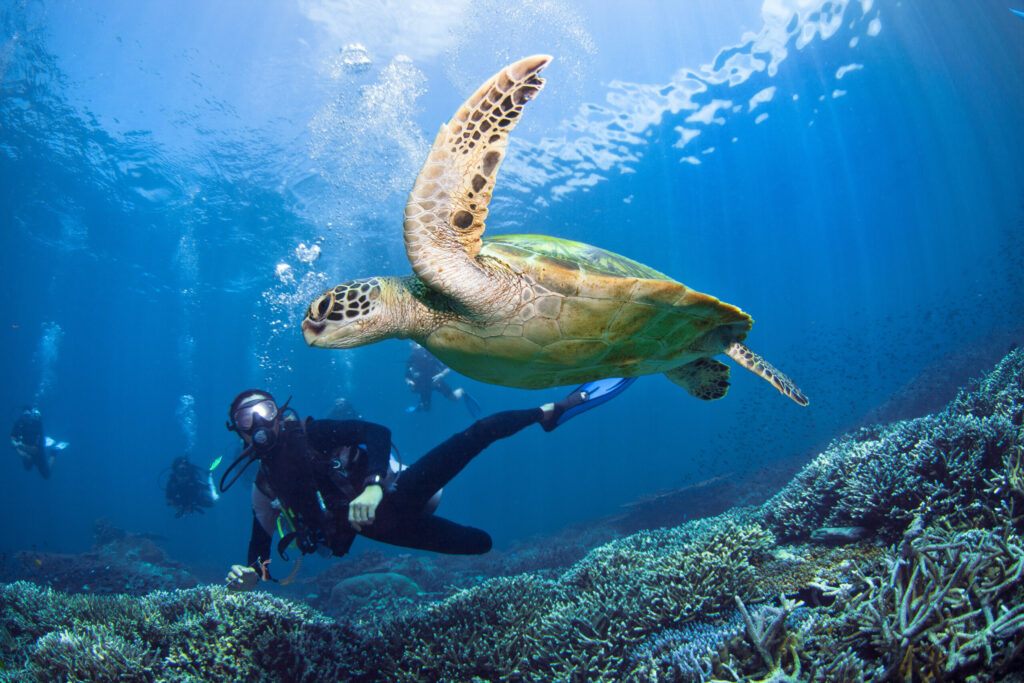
{"x": 343, "y": 410}
{"x": 28, "y": 440}
{"x": 187, "y": 489}
{"x": 321, "y": 483}
{"x": 425, "y": 374}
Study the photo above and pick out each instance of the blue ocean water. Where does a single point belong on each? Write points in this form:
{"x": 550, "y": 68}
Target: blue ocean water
{"x": 178, "y": 181}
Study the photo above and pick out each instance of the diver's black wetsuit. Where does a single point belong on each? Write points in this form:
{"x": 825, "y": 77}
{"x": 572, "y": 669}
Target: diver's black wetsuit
{"x": 420, "y": 371}
{"x": 28, "y": 431}
{"x": 401, "y": 517}
{"x": 187, "y": 489}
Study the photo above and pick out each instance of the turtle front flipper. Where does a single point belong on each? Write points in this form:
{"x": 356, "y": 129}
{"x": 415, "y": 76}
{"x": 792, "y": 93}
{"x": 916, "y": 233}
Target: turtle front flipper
{"x": 759, "y": 366}
{"x": 705, "y": 378}
{"x": 445, "y": 212}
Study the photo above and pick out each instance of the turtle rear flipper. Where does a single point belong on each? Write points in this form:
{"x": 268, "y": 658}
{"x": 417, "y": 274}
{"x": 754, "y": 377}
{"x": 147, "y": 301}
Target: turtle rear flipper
{"x": 445, "y": 212}
{"x": 759, "y": 366}
{"x": 705, "y": 378}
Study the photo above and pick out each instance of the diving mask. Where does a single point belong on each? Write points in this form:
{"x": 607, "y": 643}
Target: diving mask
{"x": 257, "y": 409}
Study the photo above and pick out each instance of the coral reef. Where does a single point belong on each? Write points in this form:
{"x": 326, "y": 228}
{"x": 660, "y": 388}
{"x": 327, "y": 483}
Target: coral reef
{"x": 881, "y": 477}
{"x": 948, "y": 603}
{"x": 197, "y": 634}
{"x": 921, "y": 580}
{"x": 119, "y": 562}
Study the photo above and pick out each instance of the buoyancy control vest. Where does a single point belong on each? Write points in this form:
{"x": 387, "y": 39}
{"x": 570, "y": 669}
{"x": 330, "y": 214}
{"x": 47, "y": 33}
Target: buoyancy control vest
{"x": 314, "y": 489}
{"x": 307, "y": 486}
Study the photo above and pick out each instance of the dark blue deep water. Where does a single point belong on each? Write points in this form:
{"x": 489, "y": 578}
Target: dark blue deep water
{"x": 851, "y": 173}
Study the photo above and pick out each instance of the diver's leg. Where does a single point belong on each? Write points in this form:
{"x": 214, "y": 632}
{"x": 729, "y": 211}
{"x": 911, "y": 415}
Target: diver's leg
{"x": 445, "y": 390}
{"x": 42, "y": 462}
{"x": 429, "y": 532}
{"x": 426, "y": 476}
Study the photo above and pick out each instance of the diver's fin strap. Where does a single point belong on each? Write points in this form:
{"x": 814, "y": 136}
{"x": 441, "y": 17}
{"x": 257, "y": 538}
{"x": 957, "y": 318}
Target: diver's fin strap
{"x": 762, "y": 368}
{"x": 705, "y": 378}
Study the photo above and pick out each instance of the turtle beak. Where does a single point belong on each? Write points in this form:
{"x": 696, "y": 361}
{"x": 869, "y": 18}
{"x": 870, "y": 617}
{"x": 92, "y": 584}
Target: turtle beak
{"x": 311, "y": 331}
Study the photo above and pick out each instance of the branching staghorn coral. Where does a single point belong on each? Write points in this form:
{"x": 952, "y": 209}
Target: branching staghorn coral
{"x": 883, "y": 476}
{"x": 92, "y": 653}
{"x": 1007, "y": 485}
{"x": 588, "y": 624}
{"x": 772, "y": 640}
{"x": 196, "y": 634}
{"x": 686, "y": 652}
{"x": 947, "y": 597}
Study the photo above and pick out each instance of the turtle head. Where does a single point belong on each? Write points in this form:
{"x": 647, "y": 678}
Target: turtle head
{"x": 349, "y": 315}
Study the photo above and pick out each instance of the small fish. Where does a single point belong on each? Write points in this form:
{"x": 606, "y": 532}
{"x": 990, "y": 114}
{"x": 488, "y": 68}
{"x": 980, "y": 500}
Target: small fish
{"x": 840, "y": 535}
{"x": 39, "y": 562}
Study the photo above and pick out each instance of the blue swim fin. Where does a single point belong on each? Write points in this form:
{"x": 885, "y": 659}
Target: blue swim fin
{"x": 471, "y": 405}
{"x": 589, "y": 395}
{"x": 1017, "y": 12}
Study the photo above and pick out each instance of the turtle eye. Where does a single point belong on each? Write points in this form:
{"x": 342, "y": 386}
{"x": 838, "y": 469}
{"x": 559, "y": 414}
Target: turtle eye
{"x": 318, "y": 309}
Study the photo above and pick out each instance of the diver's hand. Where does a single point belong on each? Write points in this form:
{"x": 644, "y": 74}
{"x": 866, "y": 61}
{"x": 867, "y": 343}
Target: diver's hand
{"x": 363, "y": 510}
{"x": 241, "y": 578}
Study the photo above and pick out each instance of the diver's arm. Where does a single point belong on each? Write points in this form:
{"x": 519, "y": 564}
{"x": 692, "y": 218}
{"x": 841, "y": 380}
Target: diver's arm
{"x": 327, "y": 435}
{"x": 243, "y": 577}
{"x": 378, "y": 452}
{"x": 264, "y": 516}
{"x": 259, "y": 544}
{"x": 18, "y": 432}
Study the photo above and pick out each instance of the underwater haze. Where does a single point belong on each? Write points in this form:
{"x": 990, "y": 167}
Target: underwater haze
{"x": 178, "y": 181}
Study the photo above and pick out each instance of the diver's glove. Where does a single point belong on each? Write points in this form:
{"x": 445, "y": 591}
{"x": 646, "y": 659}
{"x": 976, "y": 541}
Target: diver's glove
{"x": 241, "y": 578}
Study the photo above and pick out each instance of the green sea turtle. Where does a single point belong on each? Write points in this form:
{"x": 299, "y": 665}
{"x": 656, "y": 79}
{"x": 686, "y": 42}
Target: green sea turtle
{"x": 528, "y": 311}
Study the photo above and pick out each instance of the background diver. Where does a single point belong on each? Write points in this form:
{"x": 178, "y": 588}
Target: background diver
{"x": 343, "y": 410}
{"x": 28, "y": 439}
{"x": 322, "y": 482}
{"x": 190, "y": 488}
{"x": 425, "y": 374}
